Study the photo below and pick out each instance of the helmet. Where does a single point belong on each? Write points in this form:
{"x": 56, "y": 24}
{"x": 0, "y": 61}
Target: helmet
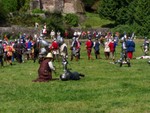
{"x": 65, "y": 76}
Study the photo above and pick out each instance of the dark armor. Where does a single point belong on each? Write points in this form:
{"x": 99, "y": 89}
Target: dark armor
{"x": 68, "y": 75}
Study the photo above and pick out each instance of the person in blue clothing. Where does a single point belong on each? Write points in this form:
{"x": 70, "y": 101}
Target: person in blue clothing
{"x": 130, "y": 44}
{"x": 96, "y": 47}
{"x": 28, "y": 48}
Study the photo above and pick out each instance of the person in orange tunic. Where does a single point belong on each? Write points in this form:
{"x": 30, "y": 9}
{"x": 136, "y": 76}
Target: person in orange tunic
{"x": 9, "y": 53}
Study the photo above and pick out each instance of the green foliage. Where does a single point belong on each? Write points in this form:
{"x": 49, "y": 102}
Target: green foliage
{"x": 54, "y": 21}
{"x": 9, "y": 5}
{"x": 123, "y": 28}
{"x": 37, "y": 11}
{"x": 21, "y": 4}
{"x": 71, "y": 19}
{"x": 3, "y": 13}
{"x": 135, "y": 13}
{"x": 25, "y": 19}
{"x": 89, "y": 2}
{"x": 25, "y": 6}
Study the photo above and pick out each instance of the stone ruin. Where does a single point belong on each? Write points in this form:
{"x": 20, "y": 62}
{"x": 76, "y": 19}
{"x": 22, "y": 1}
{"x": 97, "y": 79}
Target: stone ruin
{"x": 62, "y": 6}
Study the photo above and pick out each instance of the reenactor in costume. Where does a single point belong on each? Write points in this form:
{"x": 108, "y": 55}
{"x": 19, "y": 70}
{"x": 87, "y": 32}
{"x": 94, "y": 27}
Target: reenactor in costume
{"x": 68, "y": 75}
{"x": 9, "y": 53}
{"x": 1, "y": 53}
{"x": 145, "y": 46}
{"x": 55, "y": 49}
{"x": 124, "y": 58}
{"x": 19, "y": 50}
{"x": 89, "y": 45}
{"x": 63, "y": 50}
{"x": 45, "y": 69}
{"x": 36, "y": 49}
{"x": 73, "y": 48}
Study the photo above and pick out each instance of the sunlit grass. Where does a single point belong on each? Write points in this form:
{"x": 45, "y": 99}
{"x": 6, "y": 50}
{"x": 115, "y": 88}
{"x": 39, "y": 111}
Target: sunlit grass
{"x": 95, "y": 21}
{"x": 106, "y": 88}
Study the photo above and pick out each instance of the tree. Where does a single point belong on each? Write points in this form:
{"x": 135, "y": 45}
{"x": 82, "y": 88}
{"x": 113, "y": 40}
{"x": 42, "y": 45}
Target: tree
{"x": 71, "y": 19}
{"x": 135, "y": 13}
{"x": 3, "y": 13}
{"x": 20, "y": 4}
{"x": 9, "y": 5}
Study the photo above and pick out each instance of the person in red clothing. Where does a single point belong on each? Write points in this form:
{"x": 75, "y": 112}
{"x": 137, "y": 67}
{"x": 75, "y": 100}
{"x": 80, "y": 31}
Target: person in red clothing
{"x": 66, "y": 34}
{"x": 89, "y": 45}
{"x": 112, "y": 48}
{"x": 55, "y": 49}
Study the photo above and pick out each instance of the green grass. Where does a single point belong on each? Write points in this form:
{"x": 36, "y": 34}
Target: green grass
{"x": 95, "y": 21}
{"x": 106, "y": 88}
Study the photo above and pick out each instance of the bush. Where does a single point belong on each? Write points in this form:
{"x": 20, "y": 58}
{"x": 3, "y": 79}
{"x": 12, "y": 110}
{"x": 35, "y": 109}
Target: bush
{"x": 54, "y": 21}
{"x": 71, "y": 19}
{"x": 37, "y": 11}
{"x": 123, "y": 28}
{"x": 129, "y": 29}
{"x": 24, "y": 19}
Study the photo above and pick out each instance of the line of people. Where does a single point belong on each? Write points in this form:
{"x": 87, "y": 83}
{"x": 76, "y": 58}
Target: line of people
{"x": 108, "y": 43}
{"x": 30, "y": 47}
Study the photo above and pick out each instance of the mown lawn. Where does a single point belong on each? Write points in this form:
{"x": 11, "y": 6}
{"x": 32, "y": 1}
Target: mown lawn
{"x": 106, "y": 88}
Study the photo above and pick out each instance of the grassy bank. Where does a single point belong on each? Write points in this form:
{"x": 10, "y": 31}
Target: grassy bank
{"x": 95, "y": 21}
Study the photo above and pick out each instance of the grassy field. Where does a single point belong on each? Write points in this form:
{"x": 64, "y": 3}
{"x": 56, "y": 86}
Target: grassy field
{"x": 95, "y": 21}
{"x": 106, "y": 88}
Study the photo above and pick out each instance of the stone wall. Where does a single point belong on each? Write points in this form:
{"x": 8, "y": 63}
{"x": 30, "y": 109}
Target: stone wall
{"x": 17, "y": 30}
{"x": 63, "y": 6}
{"x": 35, "y": 4}
{"x": 69, "y": 8}
{"x": 48, "y": 5}
{"x": 31, "y": 31}
{"x": 59, "y": 5}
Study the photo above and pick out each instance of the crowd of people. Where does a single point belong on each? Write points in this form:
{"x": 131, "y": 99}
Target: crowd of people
{"x": 28, "y": 47}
